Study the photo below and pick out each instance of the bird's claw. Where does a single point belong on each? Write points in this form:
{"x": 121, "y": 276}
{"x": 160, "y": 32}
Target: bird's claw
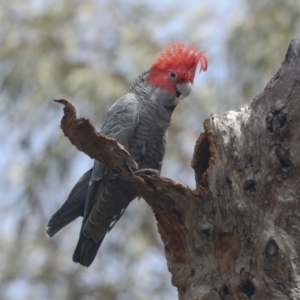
{"x": 147, "y": 171}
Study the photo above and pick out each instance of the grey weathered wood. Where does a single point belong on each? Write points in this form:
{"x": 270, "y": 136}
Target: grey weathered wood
{"x": 237, "y": 235}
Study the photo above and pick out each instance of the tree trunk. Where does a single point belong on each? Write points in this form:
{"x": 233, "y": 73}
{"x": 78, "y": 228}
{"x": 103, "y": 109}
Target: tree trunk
{"x": 237, "y": 236}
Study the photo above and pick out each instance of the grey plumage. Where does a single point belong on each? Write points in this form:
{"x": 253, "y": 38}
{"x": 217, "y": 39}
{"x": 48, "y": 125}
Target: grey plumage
{"x": 139, "y": 121}
{"x": 72, "y": 208}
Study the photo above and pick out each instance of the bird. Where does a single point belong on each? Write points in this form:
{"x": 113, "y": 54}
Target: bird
{"x": 139, "y": 121}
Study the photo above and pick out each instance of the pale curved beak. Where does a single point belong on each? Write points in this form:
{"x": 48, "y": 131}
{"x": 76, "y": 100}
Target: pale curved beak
{"x": 184, "y": 89}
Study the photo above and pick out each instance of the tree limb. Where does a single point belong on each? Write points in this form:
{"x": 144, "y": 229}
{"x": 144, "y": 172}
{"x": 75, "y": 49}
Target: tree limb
{"x": 165, "y": 196}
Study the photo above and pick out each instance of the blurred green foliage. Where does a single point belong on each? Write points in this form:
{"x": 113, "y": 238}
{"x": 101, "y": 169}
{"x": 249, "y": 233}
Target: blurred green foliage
{"x": 257, "y": 45}
{"x": 90, "y": 52}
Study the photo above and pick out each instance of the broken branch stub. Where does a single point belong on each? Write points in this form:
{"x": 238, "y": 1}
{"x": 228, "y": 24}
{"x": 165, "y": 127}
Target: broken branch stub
{"x": 83, "y": 135}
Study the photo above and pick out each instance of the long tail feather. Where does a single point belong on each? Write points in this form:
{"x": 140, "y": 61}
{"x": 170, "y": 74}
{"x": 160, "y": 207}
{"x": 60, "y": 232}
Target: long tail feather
{"x": 86, "y": 250}
{"x": 72, "y": 208}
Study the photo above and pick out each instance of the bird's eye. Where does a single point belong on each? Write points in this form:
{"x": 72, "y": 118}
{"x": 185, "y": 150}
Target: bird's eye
{"x": 173, "y": 75}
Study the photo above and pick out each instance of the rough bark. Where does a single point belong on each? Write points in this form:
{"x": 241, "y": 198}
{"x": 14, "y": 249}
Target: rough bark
{"x": 237, "y": 235}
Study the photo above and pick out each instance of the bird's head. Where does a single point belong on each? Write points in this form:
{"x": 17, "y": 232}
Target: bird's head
{"x": 174, "y": 70}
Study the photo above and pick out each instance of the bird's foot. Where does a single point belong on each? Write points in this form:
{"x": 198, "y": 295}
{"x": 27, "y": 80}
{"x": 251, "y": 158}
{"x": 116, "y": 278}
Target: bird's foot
{"x": 147, "y": 171}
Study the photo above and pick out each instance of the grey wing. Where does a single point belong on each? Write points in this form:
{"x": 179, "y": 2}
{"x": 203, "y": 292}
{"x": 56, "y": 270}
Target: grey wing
{"x": 108, "y": 195}
{"x": 121, "y": 120}
{"x": 120, "y": 123}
